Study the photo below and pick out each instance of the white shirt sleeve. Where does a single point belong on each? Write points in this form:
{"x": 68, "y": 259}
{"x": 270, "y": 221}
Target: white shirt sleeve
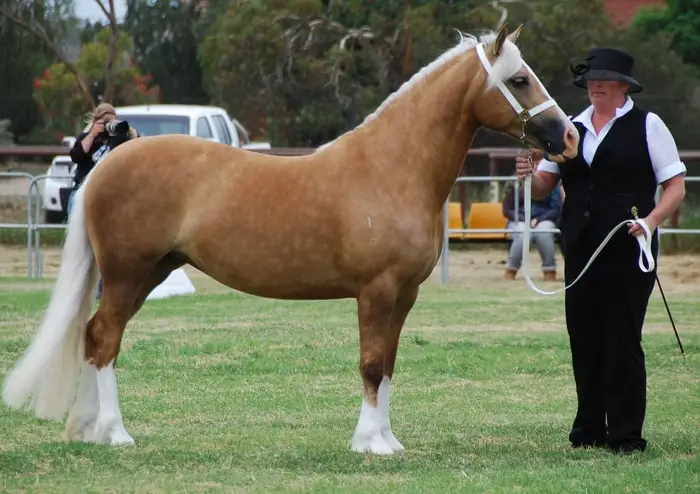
{"x": 662, "y": 149}
{"x": 548, "y": 166}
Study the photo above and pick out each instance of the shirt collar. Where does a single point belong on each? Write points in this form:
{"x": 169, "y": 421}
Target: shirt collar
{"x": 585, "y": 116}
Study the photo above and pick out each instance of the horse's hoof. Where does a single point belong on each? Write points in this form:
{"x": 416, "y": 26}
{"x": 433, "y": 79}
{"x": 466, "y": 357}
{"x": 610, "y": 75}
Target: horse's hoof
{"x": 80, "y": 429}
{"x": 122, "y": 439}
{"x": 391, "y": 441}
{"x": 374, "y": 445}
{"x": 114, "y": 435}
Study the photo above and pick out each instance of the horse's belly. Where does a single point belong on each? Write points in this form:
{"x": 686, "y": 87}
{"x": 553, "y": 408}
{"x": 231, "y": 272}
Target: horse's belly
{"x": 273, "y": 269}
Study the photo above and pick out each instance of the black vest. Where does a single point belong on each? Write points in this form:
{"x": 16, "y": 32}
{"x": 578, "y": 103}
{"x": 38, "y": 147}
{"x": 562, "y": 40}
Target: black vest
{"x": 620, "y": 177}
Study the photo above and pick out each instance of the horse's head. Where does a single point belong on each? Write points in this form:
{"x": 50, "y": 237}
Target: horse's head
{"x": 521, "y": 107}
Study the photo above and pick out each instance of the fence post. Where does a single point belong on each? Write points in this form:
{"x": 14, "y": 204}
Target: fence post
{"x": 495, "y": 185}
{"x": 444, "y": 255}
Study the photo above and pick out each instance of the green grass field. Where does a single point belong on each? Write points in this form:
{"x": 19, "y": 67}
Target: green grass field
{"x": 225, "y": 392}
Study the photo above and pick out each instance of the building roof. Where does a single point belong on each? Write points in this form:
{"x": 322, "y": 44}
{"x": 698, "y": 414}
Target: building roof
{"x": 622, "y": 11}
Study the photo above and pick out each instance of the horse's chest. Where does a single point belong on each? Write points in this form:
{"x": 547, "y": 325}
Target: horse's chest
{"x": 420, "y": 247}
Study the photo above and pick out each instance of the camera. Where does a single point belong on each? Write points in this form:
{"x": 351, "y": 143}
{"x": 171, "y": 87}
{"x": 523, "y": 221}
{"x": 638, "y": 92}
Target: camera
{"x": 117, "y": 127}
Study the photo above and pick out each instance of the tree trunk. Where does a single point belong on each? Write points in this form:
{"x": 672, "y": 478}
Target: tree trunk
{"x": 108, "y": 95}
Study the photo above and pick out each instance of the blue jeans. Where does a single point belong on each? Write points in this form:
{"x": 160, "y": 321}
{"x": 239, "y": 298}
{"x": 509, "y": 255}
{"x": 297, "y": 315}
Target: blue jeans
{"x": 70, "y": 203}
{"x": 69, "y": 207}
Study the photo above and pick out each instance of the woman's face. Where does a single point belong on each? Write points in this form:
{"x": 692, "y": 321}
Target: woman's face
{"x": 606, "y": 92}
{"x": 107, "y": 117}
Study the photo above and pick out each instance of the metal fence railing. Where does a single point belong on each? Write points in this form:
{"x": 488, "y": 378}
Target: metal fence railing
{"x": 447, "y": 231}
{"x": 34, "y": 225}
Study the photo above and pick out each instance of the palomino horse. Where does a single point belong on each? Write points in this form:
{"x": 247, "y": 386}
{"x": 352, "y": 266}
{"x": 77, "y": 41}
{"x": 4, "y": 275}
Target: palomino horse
{"x": 359, "y": 218}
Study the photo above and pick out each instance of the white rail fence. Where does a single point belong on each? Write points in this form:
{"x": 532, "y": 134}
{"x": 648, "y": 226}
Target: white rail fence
{"x": 493, "y": 182}
{"x": 34, "y": 225}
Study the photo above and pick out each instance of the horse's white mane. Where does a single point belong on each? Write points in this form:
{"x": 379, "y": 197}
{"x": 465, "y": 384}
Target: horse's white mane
{"x": 507, "y": 64}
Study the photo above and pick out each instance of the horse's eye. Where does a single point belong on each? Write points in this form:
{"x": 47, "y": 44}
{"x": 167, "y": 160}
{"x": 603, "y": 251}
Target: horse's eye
{"x": 520, "y": 81}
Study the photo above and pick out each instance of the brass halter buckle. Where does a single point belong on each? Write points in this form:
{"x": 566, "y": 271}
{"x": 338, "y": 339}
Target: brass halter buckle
{"x": 524, "y": 118}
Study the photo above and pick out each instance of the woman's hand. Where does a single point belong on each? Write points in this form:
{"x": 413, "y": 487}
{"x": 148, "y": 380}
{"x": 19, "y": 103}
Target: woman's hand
{"x": 636, "y": 229}
{"x": 525, "y": 166}
{"x": 97, "y": 128}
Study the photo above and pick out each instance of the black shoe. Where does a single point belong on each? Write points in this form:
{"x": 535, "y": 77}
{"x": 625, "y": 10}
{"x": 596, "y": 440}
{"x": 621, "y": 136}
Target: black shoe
{"x": 629, "y": 447}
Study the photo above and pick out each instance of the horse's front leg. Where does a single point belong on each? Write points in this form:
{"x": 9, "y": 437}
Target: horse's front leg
{"x": 379, "y": 335}
{"x": 404, "y": 304}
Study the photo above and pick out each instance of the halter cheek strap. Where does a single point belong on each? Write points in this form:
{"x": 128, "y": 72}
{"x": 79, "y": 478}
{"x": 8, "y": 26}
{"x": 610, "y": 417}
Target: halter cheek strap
{"x": 523, "y": 114}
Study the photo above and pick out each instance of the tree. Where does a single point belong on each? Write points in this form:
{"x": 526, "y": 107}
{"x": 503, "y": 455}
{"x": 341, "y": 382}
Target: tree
{"x": 23, "y": 57}
{"x": 60, "y": 102}
{"x": 315, "y": 68}
{"x": 680, "y": 19}
{"x": 165, "y": 45}
{"x": 53, "y": 23}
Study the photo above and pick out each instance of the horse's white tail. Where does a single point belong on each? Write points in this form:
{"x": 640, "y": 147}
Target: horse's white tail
{"x": 46, "y": 377}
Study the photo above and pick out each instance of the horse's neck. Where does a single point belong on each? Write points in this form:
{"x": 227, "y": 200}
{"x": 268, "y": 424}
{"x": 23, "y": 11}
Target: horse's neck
{"x": 419, "y": 142}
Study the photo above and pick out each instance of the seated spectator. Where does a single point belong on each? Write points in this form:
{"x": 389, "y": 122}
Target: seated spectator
{"x": 545, "y": 213}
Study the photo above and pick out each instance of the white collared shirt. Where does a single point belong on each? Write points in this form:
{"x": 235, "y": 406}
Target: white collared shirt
{"x": 662, "y": 147}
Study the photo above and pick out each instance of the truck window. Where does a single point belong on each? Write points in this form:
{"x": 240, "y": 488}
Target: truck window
{"x": 203, "y": 128}
{"x": 222, "y": 129}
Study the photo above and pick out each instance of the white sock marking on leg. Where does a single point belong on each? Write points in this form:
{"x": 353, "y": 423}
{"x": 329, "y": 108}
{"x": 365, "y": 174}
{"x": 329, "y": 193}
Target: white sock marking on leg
{"x": 109, "y": 426}
{"x": 373, "y": 431}
{"x": 383, "y": 398}
{"x": 81, "y": 420}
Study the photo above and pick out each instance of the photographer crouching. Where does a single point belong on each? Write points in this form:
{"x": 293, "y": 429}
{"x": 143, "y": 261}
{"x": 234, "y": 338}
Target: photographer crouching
{"x": 105, "y": 134}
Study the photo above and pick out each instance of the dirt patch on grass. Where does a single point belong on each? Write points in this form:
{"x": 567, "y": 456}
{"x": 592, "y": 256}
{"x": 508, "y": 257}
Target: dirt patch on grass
{"x": 478, "y": 269}
{"x": 520, "y": 327}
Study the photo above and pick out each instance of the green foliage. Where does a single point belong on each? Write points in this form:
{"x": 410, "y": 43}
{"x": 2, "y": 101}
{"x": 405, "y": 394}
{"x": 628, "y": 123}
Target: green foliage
{"x": 25, "y": 56}
{"x": 171, "y": 59}
{"x": 59, "y": 101}
{"x": 57, "y": 92}
{"x": 681, "y": 20}
{"x": 314, "y": 69}
{"x": 669, "y": 84}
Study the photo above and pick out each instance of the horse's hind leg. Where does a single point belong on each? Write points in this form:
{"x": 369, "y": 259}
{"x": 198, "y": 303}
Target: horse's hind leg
{"x": 83, "y": 417}
{"x": 160, "y": 272}
{"x": 382, "y": 312}
{"x": 96, "y": 416}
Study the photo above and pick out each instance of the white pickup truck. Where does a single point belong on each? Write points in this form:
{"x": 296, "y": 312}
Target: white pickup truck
{"x": 208, "y": 122}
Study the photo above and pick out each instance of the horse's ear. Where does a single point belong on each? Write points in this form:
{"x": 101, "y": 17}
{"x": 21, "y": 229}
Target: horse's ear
{"x": 513, "y": 37}
{"x": 500, "y": 39}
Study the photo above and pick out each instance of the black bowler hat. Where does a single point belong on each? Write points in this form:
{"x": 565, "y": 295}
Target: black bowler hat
{"x": 606, "y": 64}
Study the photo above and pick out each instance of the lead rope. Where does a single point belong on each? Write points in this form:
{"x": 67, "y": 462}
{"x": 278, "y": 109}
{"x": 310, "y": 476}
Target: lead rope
{"x": 645, "y": 241}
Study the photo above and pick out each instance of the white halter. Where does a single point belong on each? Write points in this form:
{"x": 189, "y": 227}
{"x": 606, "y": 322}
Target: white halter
{"x": 525, "y": 115}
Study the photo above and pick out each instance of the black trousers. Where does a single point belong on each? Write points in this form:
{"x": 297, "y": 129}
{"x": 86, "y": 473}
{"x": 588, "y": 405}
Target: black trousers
{"x": 605, "y": 312}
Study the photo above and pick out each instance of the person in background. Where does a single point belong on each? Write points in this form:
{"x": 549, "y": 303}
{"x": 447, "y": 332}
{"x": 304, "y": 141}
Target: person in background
{"x": 545, "y": 214}
{"x": 92, "y": 146}
{"x": 624, "y": 153}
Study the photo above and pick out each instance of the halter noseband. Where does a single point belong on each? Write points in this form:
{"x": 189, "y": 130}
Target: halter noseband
{"x": 523, "y": 114}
